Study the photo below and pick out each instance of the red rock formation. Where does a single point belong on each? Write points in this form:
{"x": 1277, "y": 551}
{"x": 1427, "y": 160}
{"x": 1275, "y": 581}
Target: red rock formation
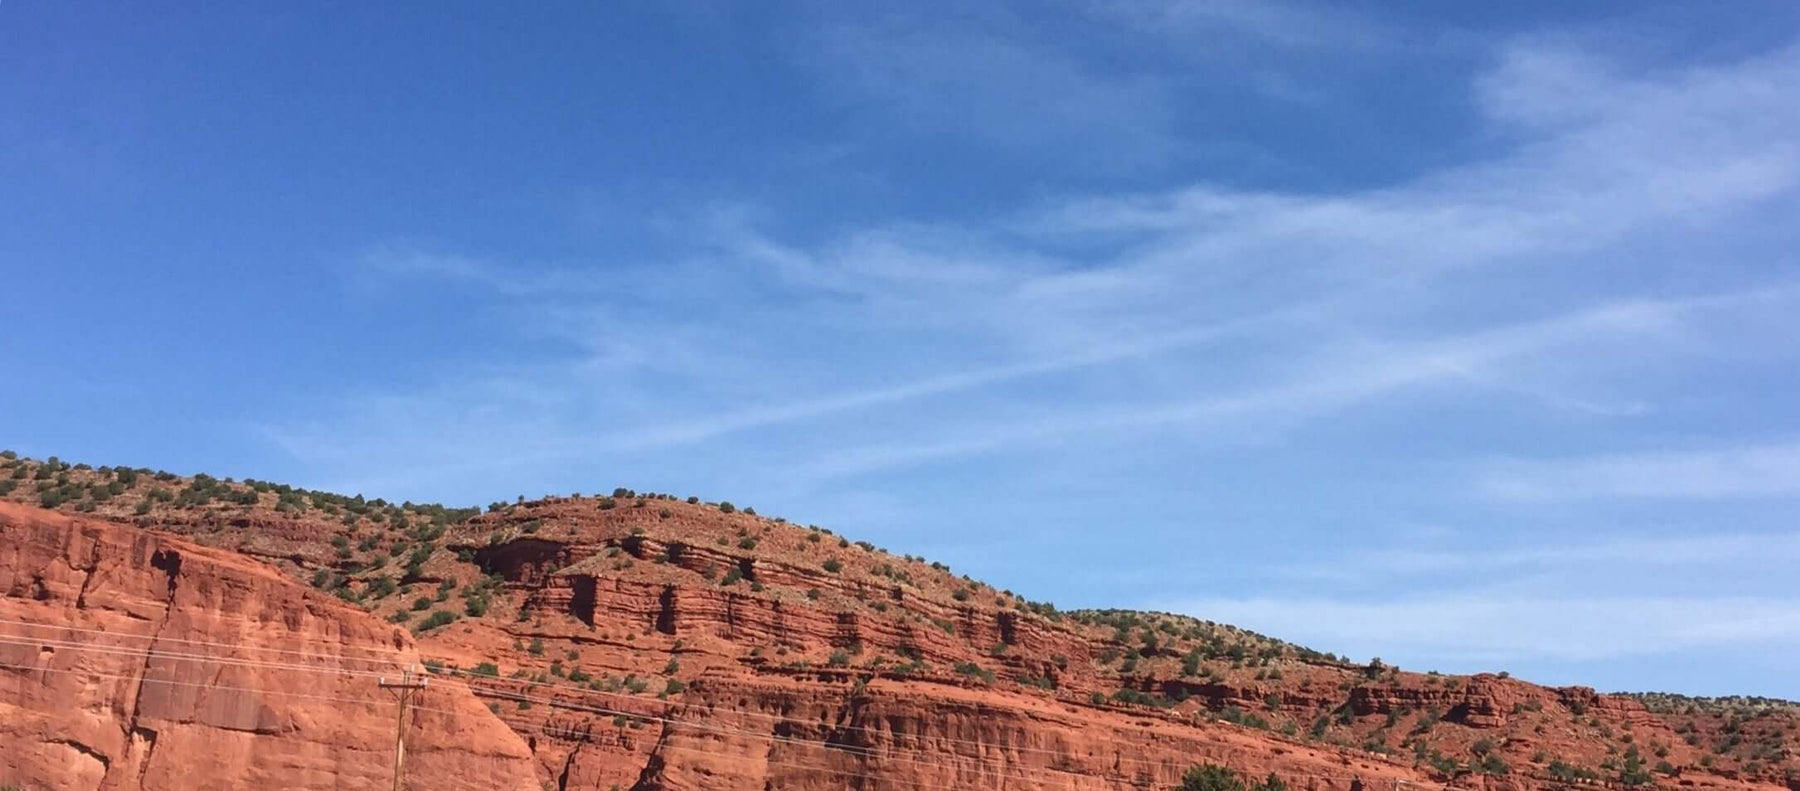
{"x": 100, "y": 694}
{"x": 659, "y": 644}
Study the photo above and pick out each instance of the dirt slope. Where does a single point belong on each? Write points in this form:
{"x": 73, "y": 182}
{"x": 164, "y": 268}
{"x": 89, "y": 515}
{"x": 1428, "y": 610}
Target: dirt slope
{"x": 653, "y": 642}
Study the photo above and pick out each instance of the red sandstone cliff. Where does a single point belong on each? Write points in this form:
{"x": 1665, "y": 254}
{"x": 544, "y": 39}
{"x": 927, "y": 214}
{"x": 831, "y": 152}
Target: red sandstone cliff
{"x": 100, "y": 695}
{"x": 651, "y": 643}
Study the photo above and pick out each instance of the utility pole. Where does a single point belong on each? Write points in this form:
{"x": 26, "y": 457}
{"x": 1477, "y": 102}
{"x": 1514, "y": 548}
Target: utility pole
{"x": 408, "y": 687}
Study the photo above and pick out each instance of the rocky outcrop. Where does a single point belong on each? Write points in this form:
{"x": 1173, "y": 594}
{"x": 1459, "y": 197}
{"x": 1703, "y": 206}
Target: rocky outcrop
{"x": 648, "y": 642}
{"x": 130, "y": 660}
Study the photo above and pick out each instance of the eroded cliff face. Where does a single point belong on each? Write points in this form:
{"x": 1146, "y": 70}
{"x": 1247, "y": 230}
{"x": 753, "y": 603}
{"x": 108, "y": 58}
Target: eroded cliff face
{"x": 781, "y": 671}
{"x": 647, "y": 642}
{"x": 131, "y": 660}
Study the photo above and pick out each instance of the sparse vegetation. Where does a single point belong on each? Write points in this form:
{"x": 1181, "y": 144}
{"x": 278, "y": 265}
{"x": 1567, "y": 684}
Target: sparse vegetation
{"x": 438, "y": 618}
{"x": 389, "y": 557}
{"x": 1212, "y": 777}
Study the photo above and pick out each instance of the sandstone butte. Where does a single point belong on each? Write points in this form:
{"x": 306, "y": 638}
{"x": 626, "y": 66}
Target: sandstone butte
{"x": 170, "y": 632}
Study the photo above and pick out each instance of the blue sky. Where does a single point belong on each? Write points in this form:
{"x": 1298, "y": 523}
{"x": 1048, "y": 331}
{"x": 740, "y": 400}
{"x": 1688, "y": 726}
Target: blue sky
{"x": 1462, "y": 335}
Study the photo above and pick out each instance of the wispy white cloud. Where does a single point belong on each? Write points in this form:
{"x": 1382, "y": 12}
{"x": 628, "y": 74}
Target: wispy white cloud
{"x": 1196, "y": 23}
{"x": 1705, "y": 548}
{"x": 1317, "y": 302}
{"x": 1752, "y": 471}
{"x": 981, "y": 79}
{"x": 1490, "y": 628}
{"x": 1337, "y": 378}
{"x": 1565, "y": 278}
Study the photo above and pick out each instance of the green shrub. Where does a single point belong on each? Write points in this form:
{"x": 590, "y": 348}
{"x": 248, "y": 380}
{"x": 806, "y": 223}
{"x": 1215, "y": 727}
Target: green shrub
{"x": 1569, "y": 773}
{"x": 476, "y": 606}
{"x": 382, "y": 586}
{"x": 1211, "y": 777}
{"x": 833, "y": 566}
{"x": 1632, "y": 772}
{"x": 726, "y": 507}
{"x": 436, "y": 619}
{"x": 1237, "y": 716}
{"x": 1491, "y": 764}
{"x": 975, "y": 671}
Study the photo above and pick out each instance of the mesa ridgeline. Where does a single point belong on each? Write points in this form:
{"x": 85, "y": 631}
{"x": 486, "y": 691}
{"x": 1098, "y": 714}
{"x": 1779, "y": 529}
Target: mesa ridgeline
{"x": 162, "y": 631}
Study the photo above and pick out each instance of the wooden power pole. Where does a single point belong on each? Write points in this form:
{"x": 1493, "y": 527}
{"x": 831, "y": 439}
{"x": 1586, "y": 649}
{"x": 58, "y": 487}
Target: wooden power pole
{"x": 409, "y": 686}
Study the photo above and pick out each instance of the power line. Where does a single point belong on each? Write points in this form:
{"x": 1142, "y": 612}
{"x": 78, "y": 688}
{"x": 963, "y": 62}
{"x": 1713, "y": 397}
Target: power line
{"x": 171, "y": 682}
{"x": 778, "y": 719}
{"x": 566, "y": 688}
{"x": 176, "y": 656}
{"x": 846, "y": 749}
{"x": 851, "y": 750}
{"x": 854, "y": 750}
{"x": 234, "y": 646}
{"x": 586, "y": 737}
{"x": 379, "y": 702}
{"x": 472, "y": 689}
{"x": 857, "y": 751}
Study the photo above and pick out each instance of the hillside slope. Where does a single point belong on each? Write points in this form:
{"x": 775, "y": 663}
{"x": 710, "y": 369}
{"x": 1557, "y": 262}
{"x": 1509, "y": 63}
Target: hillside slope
{"x": 654, "y": 642}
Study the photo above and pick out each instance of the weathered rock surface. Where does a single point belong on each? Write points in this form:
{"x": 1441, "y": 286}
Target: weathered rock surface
{"x": 647, "y": 642}
{"x": 131, "y": 660}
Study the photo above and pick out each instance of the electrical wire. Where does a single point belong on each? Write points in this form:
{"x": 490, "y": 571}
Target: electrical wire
{"x": 233, "y": 646}
{"x": 177, "y": 656}
{"x": 852, "y": 750}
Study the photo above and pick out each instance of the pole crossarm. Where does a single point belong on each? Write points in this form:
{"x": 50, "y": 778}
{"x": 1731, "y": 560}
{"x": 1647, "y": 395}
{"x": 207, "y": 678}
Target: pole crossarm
{"x": 406, "y": 688}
